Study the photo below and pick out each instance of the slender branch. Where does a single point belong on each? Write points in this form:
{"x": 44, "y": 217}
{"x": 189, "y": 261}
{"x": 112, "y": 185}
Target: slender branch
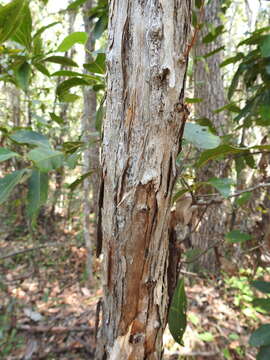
{"x": 30, "y": 249}
{"x": 217, "y": 243}
{"x": 188, "y": 273}
{"x": 196, "y": 353}
{"x": 53, "y": 329}
{"x": 200, "y": 219}
{"x": 196, "y": 32}
{"x": 219, "y": 199}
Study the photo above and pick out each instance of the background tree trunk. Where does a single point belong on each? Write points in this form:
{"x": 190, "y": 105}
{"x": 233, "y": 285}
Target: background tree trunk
{"x": 64, "y": 114}
{"x": 91, "y": 153}
{"x": 209, "y": 86}
{"x": 147, "y": 61}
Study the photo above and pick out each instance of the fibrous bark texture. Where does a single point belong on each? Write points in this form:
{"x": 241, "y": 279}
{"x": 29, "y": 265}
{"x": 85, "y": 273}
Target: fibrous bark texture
{"x": 147, "y": 61}
{"x": 209, "y": 86}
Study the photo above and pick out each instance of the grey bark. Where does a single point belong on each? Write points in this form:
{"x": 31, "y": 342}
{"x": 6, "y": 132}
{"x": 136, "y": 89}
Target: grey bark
{"x": 90, "y": 155}
{"x": 209, "y": 86}
{"x": 147, "y": 62}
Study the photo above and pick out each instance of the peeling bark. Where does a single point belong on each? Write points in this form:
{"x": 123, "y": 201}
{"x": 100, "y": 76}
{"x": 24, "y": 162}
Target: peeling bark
{"x": 142, "y": 133}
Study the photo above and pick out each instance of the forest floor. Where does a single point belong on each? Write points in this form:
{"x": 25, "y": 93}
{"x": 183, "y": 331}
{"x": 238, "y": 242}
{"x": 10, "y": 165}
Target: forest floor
{"x": 48, "y": 312}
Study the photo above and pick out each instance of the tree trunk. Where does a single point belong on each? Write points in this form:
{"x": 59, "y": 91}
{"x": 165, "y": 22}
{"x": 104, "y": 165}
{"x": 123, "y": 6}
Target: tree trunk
{"x": 64, "y": 113}
{"x": 209, "y": 86}
{"x": 90, "y": 155}
{"x": 147, "y": 62}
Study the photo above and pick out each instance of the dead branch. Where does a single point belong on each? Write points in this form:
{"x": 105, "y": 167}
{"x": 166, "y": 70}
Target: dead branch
{"x": 53, "y": 329}
{"x": 30, "y": 249}
{"x": 219, "y": 199}
{"x": 196, "y": 353}
{"x": 217, "y": 243}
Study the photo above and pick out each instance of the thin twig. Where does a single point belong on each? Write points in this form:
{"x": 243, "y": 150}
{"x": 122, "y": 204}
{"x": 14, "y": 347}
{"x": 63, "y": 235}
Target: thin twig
{"x": 196, "y": 31}
{"x": 217, "y": 243}
{"x": 188, "y": 273}
{"x": 237, "y": 193}
{"x": 252, "y": 249}
{"x": 196, "y": 353}
{"x": 52, "y": 329}
{"x": 200, "y": 219}
{"x": 30, "y": 249}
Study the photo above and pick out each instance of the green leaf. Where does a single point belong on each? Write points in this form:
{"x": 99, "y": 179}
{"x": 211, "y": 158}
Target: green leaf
{"x": 71, "y": 147}
{"x": 255, "y": 38}
{"x": 263, "y": 286}
{"x": 239, "y": 164}
{"x": 198, "y": 3}
{"x": 214, "y": 154}
{"x": 261, "y": 337}
{"x": 8, "y": 183}
{"x": 72, "y": 159}
{"x": 75, "y": 4}
{"x": 72, "y": 39}
{"x": 200, "y": 136}
{"x": 68, "y": 84}
{"x": 236, "y": 236}
{"x": 22, "y": 75}
{"x": 249, "y": 159}
{"x": 41, "y": 68}
{"x": 206, "y": 336}
{"x": 68, "y": 97}
{"x": 261, "y": 147}
{"x": 213, "y": 52}
{"x": 44, "y": 28}
{"x": 223, "y": 185}
{"x": 46, "y": 159}
{"x": 194, "y": 19}
{"x": 264, "y": 111}
{"x": 99, "y": 118}
{"x": 98, "y": 66}
{"x": 265, "y": 46}
{"x": 57, "y": 119}
{"x": 62, "y": 60}
{"x": 206, "y": 122}
{"x": 243, "y": 199}
{"x": 232, "y": 60}
{"x": 11, "y": 16}
{"x": 6, "y": 154}
{"x": 91, "y": 78}
{"x": 179, "y": 194}
{"x": 177, "y": 319}
{"x": 78, "y": 181}
{"x": 66, "y": 73}
{"x": 232, "y": 107}
{"x": 212, "y": 35}
{"x": 37, "y": 193}
{"x": 246, "y": 111}
{"x": 263, "y": 304}
{"x": 193, "y": 100}
{"x": 235, "y": 80}
{"x": 100, "y": 26}
{"x": 30, "y": 137}
{"x": 264, "y": 353}
{"x": 23, "y": 33}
